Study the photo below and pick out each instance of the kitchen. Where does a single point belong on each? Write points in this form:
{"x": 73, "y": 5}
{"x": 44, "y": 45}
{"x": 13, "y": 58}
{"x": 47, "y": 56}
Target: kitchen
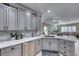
{"x": 39, "y": 29}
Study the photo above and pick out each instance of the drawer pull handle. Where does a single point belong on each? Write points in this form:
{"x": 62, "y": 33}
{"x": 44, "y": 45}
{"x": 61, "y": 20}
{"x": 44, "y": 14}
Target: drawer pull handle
{"x": 64, "y": 46}
{"x": 64, "y": 42}
{"x": 49, "y": 43}
{"x": 12, "y": 48}
{"x": 64, "y": 51}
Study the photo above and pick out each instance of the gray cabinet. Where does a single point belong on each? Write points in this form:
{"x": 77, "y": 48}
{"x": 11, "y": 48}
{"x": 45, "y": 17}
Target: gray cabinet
{"x": 3, "y": 17}
{"x": 34, "y": 22}
{"x": 28, "y": 21}
{"x": 21, "y": 19}
{"x": 12, "y": 18}
{"x": 39, "y": 24}
{"x": 50, "y": 44}
{"x": 67, "y": 47}
{"x": 8, "y": 18}
{"x": 17, "y": 19}
{"x": 11, "y": 51}
{"x": 45, "y": 44}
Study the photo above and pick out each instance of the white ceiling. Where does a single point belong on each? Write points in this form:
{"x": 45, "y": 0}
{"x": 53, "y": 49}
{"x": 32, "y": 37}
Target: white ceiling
{"x": 62, "y": 12}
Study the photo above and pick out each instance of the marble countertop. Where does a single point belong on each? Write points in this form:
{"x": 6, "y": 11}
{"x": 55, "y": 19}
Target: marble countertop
{"x": 27, "y": 39}
{"x": 69, "y": 38}
{"x": 15, "y": 42}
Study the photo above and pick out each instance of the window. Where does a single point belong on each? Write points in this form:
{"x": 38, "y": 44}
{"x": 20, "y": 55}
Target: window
{"x": 68, "y": 29}
{"x": 62, "y": 29}
{"x": 45, "y": 30}
{"x": 73, "y": 29}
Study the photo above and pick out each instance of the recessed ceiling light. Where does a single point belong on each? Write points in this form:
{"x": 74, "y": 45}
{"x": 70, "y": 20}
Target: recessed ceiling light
{"x": 54, "y": 20}
{"x": 28, "y": 13}
{"x": 49, "y": 11}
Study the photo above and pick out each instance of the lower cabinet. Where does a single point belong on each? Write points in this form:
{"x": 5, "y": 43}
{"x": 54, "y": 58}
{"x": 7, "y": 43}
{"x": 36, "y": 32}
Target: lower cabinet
{"x": 27, "y": 49}
{"x": 50, "y": 44}
{"x": 37, "y": 45}
{"x": 11, "y": 51}
{"x": 67, "y": 48}
{"x": 31, "y": 48}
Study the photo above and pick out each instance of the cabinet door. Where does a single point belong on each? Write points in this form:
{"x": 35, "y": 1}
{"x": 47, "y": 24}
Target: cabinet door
{"x": 29, "y": 49}
{"x": 53, "y": 44}
{"x": 33, "y": 47}
{"x": 12, "y": 18}
{"x": 45, "y": 44}
{"x": 21, "y": 18}
{"x": 34, "y": 20}
{"x": 11, "y": 51}
{"x": 50, "y": 44}
{"x": 28, "y": 21}
{"x": 38, "y": 45}
{"x": 24, "y": 49}
{"x": 38, "y": 24}
{"x": 61, "y": 44}
{"x": 2, "y": 17}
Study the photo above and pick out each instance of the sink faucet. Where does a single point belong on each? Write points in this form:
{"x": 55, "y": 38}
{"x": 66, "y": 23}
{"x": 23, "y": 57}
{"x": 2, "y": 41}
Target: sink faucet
{"x": 13, "y": 35}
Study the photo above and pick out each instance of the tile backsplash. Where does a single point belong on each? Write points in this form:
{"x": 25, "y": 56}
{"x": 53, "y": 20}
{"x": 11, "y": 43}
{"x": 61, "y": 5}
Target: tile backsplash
{"x": 5, "y": 33}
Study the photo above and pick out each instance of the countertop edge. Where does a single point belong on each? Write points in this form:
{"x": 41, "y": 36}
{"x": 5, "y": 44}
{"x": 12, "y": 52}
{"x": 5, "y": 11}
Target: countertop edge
{"x": 20, "y": 41}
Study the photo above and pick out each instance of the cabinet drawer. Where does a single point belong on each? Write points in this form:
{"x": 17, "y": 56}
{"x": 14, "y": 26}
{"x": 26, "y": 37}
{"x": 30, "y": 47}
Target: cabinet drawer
{"x": 62, "y": 50}
{"x": 10, "y": 49}
{"x": 14, "y": 53}
{"x": 68, "y": 53}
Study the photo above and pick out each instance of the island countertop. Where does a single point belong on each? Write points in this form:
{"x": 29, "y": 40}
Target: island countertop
{"x": 69, "y": 38}
{"x": 15, "y": 42}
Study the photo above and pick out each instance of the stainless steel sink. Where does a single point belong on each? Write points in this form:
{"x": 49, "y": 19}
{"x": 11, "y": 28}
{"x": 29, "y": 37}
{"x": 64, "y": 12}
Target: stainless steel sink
{"x": 49, "y": 36}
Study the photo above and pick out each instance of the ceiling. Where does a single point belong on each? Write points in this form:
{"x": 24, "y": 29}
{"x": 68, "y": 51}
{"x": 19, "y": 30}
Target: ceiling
{"x": 61, "y": 12}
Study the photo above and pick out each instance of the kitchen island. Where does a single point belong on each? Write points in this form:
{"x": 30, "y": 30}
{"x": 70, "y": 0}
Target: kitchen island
{"x": 64, "y": 45}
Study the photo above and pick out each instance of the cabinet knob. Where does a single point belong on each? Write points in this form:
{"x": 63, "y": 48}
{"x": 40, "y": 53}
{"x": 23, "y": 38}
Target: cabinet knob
{"x": 64, "y": 51}
{"x": 49, "y": 43}
{"x": 64, "y": 42}
{"x": 12, "y": 48}
{"x": 25, "y": 28}
{"x": 64, "y": 46}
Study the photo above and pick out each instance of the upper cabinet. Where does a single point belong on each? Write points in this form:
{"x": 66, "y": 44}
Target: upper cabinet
{"x": 12, "y": 18}
{"x": 21, "y": 19}
{"x": 2, "y": 17}
{"x": 34, "y": 21}
{"x": 18, "y": 19}
{"x": 38, "y": 24}
{"x": 28, "y": 21}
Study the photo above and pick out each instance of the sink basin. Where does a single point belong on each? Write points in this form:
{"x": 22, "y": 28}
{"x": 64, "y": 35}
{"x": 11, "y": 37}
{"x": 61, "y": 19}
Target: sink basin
{"x": 49, "y": 36}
